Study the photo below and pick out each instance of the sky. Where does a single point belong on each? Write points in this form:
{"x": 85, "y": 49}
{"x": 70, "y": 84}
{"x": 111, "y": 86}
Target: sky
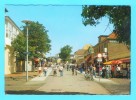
{"x": 64, "y": 24}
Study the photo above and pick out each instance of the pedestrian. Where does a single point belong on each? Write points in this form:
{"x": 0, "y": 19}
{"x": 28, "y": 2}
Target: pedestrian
{"x": 112, "y": 71}
{"x": 107, "y": 72}
{"x": 100, "y": 71}
{"x": 72, "y": 68}
{"x": 91, "y": 71}
{"x": 55, "y": 70}
{"x": 128, "y": 71}
{"x": 61, "y": 70}
{"x": 103, "y": 71}
{"x": 115, "y": 72}
{"x": 68, "y": 67}
{"x": 45, "y": 70}
{"x": 94, "y": 71}
{"x": 76, "y": 69}
{"x": 39, "y": 70}
{"x": 118, "y": 70}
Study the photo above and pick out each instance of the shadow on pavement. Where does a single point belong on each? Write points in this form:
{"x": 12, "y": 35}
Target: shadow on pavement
{"x": 31, "y": 92}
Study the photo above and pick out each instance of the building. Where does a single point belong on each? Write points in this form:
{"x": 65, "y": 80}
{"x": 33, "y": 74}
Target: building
{"x": 111, "y": 49}
{"x": 11, "y": 31}
{"x": 84, "y": 55}
{"x": 80, "y": 55}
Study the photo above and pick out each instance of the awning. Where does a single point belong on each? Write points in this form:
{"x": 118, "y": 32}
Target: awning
{"x": 125, "y": 60}
{"x": 88, "y": 58}
{"x": 108, "y": 63}
{"x": 117, "y": 62}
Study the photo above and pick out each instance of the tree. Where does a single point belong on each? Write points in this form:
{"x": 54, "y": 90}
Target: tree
{"x": 19, "y": 46}
{"x": 65, "y": 53}
{"x": 119, "y": 16}
{"x": 38, "y": 40}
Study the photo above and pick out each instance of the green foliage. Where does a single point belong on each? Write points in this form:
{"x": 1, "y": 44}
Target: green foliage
{"x": 38, "y": 40}
{"x": 65, "y": 53}
{"x": 119, "y": 16}
{"x": 19, "y": 45}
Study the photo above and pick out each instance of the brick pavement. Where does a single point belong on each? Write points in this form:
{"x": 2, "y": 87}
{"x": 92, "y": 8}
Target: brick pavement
{"x": 71, "y": 84}
{"x": 54, "y": 84}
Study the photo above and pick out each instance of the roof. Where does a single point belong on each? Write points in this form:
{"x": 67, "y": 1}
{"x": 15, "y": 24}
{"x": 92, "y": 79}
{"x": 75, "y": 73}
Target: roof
{"x": 9, "y": 19}
{"x": 80, "y": 52}
{"x": 112, "y": 36}
{"x": 103, "y": 36}
{"x": 87, "y": 46}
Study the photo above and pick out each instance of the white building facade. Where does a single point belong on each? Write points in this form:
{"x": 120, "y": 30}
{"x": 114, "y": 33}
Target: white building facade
{"x": 11, "y": 31}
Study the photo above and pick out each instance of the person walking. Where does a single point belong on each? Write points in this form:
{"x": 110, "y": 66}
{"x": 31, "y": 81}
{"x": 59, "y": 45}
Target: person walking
{"x": 72, "y": 68}
{"x": 112, "y": 71}
{"x": 45, "y": 70}
{"x": 61, "y": 70}
{"x": 100, "y": 71}
{"x": 94, "y": 71}
{"x": 108, "y": 71}
{"x": 103, "y": 72}
{"x": 39, "y": 70}
{"x": 54, "y": 70}
{"x": 68, "y": 67}
{"x": 91, "y": 71}
{"x": 76, "y": 69}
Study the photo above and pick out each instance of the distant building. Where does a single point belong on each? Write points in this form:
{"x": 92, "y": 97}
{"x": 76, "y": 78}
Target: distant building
{"x": 83, "y": 55}
{"x": 11, "y": 31}
{"x": 80, "y": 55}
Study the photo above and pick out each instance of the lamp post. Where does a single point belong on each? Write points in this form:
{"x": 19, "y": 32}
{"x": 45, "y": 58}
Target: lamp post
{"x": 26, "y": 22}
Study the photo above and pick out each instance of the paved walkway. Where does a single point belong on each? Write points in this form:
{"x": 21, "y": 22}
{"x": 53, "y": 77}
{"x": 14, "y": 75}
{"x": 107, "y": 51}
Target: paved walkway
{"x": 42, "y": 77}
{"x": 68, "y": 84}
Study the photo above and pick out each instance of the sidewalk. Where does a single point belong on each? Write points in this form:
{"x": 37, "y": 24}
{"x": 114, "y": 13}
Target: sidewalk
{"x": 97, "y": 78}
{"x": 71, "y": 84}
{"x": 42, "y": 77}
{"x": 116, "y": 86}
{"x": 100, "y": 79}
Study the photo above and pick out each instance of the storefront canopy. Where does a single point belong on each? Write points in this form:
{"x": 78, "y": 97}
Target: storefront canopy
{"x": 108, "y": 63}
{"x": 125, "y": 60}
{"x": 117, "y": 62}
{"x": 120, "y": 61}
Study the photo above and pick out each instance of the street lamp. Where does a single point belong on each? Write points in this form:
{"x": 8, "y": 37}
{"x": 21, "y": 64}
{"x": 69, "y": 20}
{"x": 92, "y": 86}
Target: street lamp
{"x": 26, "y": 22}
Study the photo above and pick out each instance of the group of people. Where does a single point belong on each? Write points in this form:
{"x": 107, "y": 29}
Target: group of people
{"x": 88, "y": 68}
{"x": 114, "y": 71}
{"x": 120, "y": 71}
{"x": 56, "y": 68}
{"x": 60, "y": 68}
{"x": 106, "y": 71}
{"x": 42, "y": 69}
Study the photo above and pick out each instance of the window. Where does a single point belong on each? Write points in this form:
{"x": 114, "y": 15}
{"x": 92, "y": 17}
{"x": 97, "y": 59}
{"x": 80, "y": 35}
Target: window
{"x": 113, "y": 41}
